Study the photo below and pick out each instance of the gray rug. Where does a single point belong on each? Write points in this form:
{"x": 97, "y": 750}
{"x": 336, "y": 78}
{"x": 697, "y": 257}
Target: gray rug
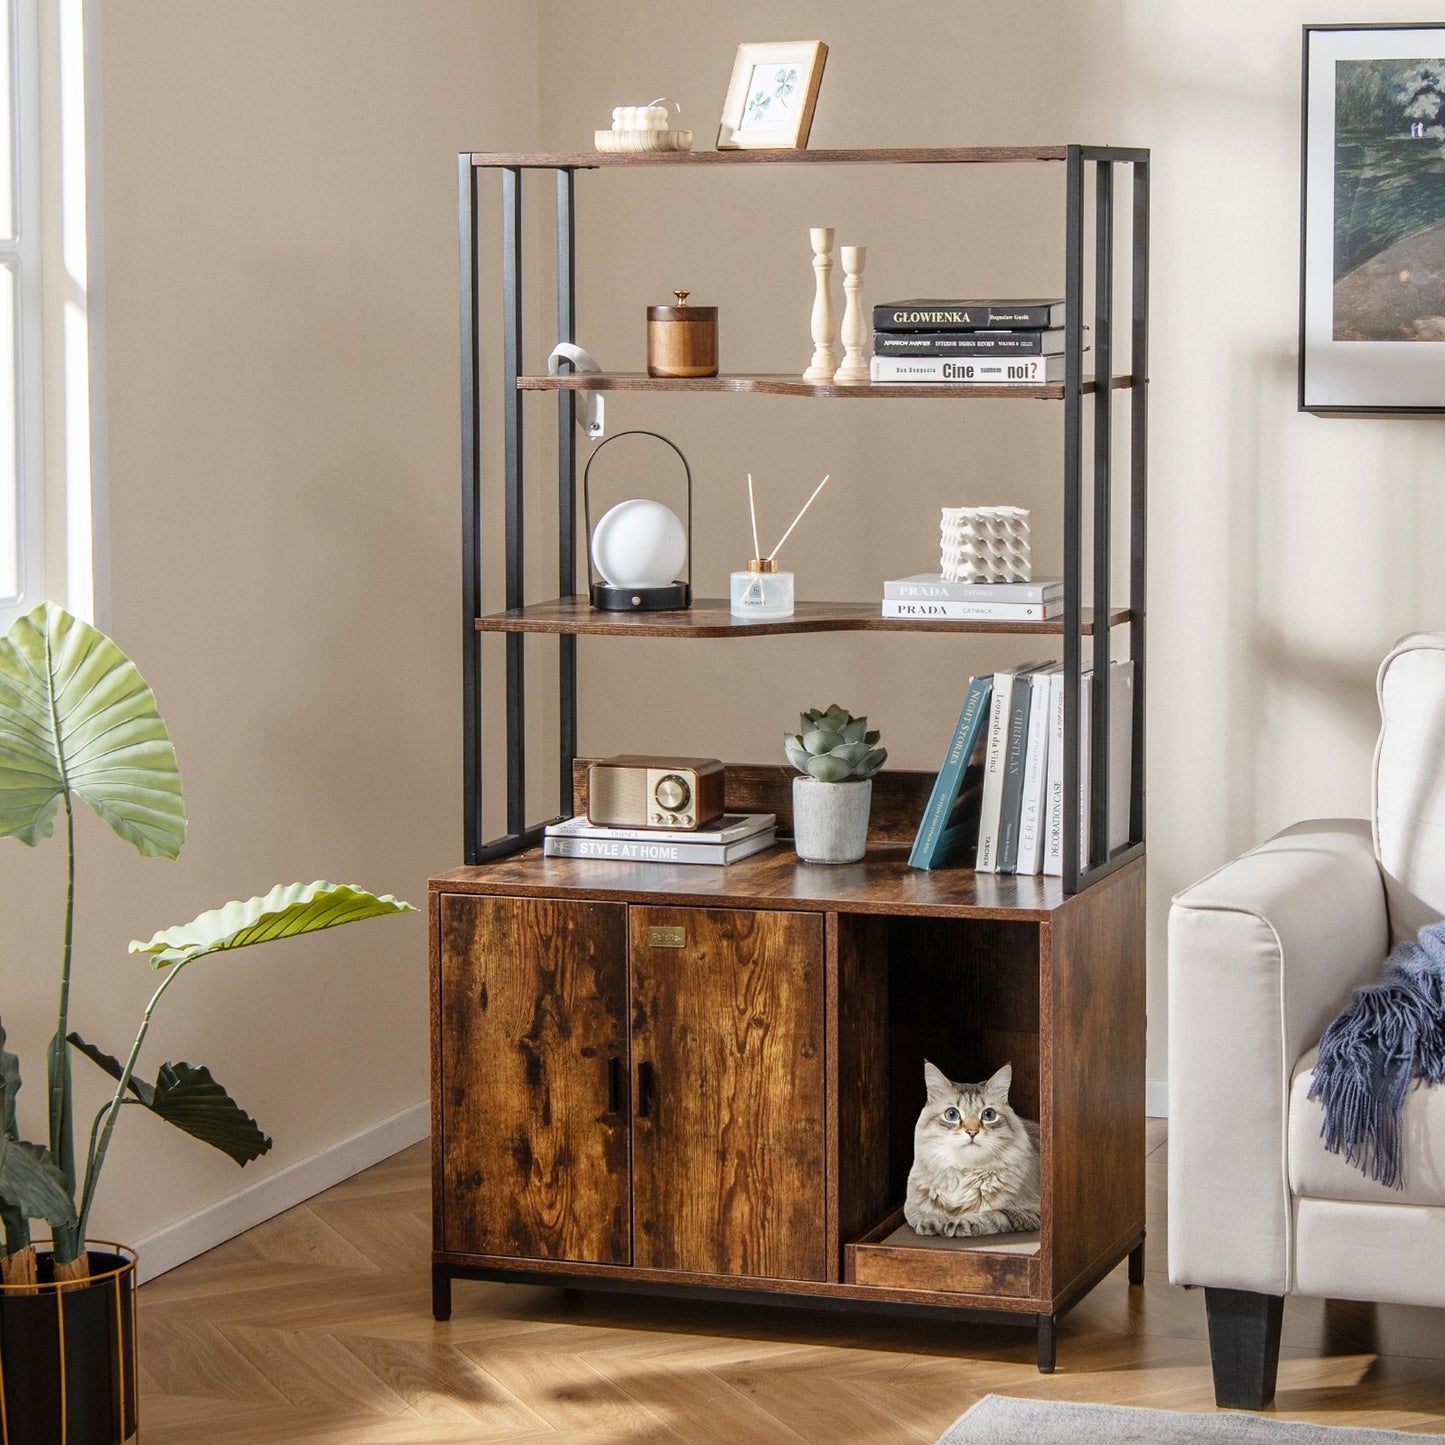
{"x": 1003, "y": 1420}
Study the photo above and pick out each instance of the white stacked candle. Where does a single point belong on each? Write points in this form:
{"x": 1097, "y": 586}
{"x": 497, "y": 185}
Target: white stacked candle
{"x": 639, "y": 117}
{"x": 985, "y": 544}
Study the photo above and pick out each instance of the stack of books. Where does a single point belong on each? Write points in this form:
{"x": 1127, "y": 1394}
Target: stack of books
{"x": 724, "y": 840}
{"x": 989, "y": 342}
{"x": 998, "y": 800}
{"x": 926, "y": 595}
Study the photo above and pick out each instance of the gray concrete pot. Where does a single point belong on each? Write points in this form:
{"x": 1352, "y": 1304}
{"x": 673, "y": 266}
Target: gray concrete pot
{"x": 830, "y": 820}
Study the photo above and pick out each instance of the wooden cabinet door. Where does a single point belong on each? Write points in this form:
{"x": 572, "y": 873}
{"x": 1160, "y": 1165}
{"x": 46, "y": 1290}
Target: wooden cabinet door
{"x": 728, "y": 1099}
{"x": 534, "y": 1074}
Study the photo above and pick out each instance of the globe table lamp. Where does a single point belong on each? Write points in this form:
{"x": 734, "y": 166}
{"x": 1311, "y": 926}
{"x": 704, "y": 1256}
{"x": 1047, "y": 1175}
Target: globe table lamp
{"x": 639, "y": 548}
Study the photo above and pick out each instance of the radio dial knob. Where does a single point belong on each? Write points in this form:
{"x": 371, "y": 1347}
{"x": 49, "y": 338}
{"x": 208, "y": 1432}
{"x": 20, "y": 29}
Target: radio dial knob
{"x": 672, "y": 793}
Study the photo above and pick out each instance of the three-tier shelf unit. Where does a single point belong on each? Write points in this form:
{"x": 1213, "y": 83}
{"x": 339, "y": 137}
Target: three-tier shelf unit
{"x": 703, "y": 1080}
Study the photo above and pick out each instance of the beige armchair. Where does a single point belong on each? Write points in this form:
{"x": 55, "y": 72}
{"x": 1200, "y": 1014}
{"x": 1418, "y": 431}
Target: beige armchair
{"x": 1263, "y": 954}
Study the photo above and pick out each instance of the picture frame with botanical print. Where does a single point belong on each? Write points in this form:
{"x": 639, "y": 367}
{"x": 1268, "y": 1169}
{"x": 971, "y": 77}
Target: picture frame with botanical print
{"x": 1372, "y": 232}
{"x": 771, "y": 96}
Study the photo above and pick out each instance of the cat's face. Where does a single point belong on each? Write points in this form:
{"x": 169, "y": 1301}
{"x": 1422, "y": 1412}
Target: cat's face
{"x": 969, "y": 1122}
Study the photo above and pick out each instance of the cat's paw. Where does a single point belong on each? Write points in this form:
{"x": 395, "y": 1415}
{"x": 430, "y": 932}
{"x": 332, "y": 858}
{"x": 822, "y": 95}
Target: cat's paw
{"x": 924, "y": 1225}
{"x": 966, "y": 1227}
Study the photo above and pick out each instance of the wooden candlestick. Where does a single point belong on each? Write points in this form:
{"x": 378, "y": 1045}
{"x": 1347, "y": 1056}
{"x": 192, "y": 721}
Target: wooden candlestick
{"x": 854, "y": 370}
{"x": 825, "y": 360}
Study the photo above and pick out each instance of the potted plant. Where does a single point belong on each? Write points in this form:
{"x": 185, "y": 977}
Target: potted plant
{"x": 836, "y": 756}
{"x": 77, "y": 721}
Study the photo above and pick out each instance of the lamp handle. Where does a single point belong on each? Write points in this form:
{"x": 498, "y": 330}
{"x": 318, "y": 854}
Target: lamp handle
{"x": 587, "y": 497}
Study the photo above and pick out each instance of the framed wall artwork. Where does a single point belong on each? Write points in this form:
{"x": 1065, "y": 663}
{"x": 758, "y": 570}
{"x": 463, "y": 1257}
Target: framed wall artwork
{"x": 1372, "y": 252}
{"x": 771, "y": 96}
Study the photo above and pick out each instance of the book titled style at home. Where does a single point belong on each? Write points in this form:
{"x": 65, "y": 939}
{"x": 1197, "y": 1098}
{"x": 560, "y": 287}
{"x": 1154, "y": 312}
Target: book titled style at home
{"x": 1019, "y": 370}
{"x": 954, "y": 315}
{"x": 637, "y": 850}
{"x": 949, "y": 827}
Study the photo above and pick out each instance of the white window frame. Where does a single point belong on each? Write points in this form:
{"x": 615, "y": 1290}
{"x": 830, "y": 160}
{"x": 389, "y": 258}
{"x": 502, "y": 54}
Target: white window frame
{"x": 23, "y": 256}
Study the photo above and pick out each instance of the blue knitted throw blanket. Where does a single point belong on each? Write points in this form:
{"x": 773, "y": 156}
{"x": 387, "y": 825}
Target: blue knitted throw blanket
{"x": 1391, "y": 1032}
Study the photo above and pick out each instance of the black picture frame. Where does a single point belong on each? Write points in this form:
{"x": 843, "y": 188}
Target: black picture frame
{"x": 1372, "y": 220}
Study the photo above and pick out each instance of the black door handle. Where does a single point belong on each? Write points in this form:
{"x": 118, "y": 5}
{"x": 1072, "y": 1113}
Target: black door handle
{"x": 646, "y": 1088}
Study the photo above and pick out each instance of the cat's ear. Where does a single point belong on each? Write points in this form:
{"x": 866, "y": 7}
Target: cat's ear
{"x": 996, "y": 1089}
{"x": 939, "y": 1084}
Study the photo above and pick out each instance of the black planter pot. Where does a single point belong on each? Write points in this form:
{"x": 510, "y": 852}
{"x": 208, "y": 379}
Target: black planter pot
{"x": 67, "y": 1357}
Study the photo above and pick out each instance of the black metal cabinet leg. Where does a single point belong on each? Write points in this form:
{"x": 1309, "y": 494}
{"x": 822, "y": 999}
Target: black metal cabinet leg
{"x": 441, "y": 1292}
{"x": 1243, "y": 1346}
{"x": 1047, "y": 1343}
{"x": 1136, "y": 1264}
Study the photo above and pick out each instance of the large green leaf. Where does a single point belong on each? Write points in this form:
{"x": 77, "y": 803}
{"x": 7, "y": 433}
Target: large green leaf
{"x": 287, "y": 911}
{"x": 31, "y": 1184}
{"x": 75, "y": 713}
{"x": 187, "y": 1096}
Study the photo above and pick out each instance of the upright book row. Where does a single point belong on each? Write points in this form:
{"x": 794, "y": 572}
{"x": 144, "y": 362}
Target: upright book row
{"x": 998, "y": 800}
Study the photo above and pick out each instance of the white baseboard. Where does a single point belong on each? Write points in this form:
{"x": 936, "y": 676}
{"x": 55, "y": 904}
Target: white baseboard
{"x": 186, "y": 1238}
{"x": 1156, "y": 1099}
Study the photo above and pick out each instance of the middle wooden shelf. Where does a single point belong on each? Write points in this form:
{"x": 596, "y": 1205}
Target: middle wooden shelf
{"x": 710, "y": 617}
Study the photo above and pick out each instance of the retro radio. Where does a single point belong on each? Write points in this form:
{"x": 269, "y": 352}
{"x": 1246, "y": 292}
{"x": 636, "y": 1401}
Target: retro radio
{"x": 642, "y": 791}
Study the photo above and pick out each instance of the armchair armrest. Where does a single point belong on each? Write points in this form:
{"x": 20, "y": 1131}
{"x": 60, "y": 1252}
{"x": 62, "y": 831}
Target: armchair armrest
{"x": 1262, "y": 955}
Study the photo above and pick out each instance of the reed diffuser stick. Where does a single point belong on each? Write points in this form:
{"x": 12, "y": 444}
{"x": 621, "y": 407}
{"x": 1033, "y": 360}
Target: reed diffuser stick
{"x": 753, "y": 513}
{"x": 773, "y": 554}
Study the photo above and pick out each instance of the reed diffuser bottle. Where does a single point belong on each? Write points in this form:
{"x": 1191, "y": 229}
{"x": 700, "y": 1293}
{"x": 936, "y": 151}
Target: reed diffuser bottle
{"x": 762, "y": 591}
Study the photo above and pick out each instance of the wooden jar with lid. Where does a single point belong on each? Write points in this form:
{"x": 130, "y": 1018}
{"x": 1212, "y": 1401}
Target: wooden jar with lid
{"x": 682, "y": 339}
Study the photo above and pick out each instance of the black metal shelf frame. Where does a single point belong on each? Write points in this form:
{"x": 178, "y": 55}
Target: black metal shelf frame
{"x": 1098, "y": 495}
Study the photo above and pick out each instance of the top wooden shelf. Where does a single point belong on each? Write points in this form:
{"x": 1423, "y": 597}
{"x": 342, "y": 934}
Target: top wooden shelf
{"x": 928, "y": 156}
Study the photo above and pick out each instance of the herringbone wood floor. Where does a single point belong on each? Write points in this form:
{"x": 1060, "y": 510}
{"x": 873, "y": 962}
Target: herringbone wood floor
{"x": 316, "y": 1327}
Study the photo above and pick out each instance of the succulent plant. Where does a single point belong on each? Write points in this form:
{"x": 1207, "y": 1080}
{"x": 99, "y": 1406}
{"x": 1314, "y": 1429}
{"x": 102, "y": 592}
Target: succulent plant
{"x": 834, "y": 746}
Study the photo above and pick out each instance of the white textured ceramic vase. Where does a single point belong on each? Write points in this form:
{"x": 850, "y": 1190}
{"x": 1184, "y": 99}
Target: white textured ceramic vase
{"x": 830, "y": 820}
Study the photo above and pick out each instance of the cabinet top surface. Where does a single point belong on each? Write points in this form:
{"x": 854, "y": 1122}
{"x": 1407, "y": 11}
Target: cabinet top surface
{"x": 858, "y": 155}
{"x": 882, "y": 883}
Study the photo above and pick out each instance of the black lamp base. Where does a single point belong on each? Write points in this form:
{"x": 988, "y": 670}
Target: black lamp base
{"x": 672, "y": 598}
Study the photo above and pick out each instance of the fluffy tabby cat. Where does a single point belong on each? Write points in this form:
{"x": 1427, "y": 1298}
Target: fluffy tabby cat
{"x": 975, "y": 1162}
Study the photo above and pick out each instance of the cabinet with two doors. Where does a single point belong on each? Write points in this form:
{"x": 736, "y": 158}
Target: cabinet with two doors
{"x": 703, "y": 1080}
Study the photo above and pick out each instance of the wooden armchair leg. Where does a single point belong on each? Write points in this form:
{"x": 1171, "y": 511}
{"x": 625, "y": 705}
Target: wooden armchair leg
{"x": 1243, "y": 1346}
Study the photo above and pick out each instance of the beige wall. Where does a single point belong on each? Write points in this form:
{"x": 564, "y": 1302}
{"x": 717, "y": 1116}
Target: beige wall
{"x": 279, "y": 206}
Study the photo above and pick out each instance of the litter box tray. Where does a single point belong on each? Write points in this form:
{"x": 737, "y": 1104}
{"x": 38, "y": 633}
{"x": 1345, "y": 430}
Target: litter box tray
{"x": 892, "y": 1256}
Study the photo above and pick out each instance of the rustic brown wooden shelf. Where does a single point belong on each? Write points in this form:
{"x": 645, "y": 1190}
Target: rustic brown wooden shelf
{"x": 710, "y": 617}
{"x": 924, "y": 156}
{"x": 779, "y": 385}
{"x": 882, "y": 883}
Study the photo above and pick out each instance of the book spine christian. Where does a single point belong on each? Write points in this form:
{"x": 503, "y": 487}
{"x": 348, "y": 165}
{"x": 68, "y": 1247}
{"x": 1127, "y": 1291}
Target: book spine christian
{"x": 975, "y": 611}
{"x": 993, "y": 770}
{"x": 1023, "y": 370}
{"x": 633, "y": 850}
{"x": 966, "y": 315}
{"x": 928, "y": 849}
{"x": 968, "y": 343}
{"x": 1011, "y": 799}
{"x": 929, "y": 588}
